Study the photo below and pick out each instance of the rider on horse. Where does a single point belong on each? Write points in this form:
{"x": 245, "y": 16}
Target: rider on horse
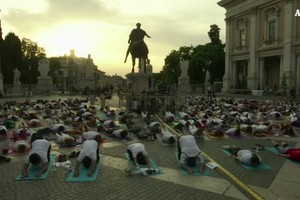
{"x": 137, "y": 46}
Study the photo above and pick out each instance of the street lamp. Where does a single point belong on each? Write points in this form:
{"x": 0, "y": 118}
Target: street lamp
{"x": 29, "y": 88}
{"x": 62, "y": 81}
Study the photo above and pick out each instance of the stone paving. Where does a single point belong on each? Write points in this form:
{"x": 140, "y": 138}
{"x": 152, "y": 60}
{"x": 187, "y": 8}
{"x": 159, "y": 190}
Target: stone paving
{"x": 277, "y": 183}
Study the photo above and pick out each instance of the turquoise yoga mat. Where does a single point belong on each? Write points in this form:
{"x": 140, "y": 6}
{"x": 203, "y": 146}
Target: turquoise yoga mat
{"x": 195, "y": 169}
{"x": 261, "y": 166}
{"x": 83, "y": 173}
{"x": 152, "y": 162}
{"x": 32, "y": 170}
{"x": 274, "y": 150}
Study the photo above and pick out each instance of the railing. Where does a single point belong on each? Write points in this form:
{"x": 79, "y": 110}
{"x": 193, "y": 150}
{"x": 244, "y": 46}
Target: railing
{"x": 240, "y": 91}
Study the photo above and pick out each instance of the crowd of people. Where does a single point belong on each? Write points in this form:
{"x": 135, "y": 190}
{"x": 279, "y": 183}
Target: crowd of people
{"x": 33, "y": 127}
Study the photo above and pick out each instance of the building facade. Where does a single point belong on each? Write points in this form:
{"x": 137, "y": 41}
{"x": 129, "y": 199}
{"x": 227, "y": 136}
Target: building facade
{"x": 262, "y": 44}
{"x": 77, "y": 73}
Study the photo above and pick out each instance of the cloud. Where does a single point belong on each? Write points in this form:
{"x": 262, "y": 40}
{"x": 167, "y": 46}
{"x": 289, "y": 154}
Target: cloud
{"x": 58, "y": 11}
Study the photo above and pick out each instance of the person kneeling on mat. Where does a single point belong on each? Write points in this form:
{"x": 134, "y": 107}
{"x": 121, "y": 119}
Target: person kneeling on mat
{"x": 40, "y": 154}
{"x": 188, "y": 153}
{"x": 88, "y": 156}
{"x": 138, "y": 154}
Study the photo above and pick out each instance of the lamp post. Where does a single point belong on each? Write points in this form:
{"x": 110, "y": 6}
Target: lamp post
{"x": 29, "y": 88}
{"x": 62, "y": 81}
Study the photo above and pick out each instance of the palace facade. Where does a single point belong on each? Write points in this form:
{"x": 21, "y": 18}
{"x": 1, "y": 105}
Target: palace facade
{"x": 262, "y": 44}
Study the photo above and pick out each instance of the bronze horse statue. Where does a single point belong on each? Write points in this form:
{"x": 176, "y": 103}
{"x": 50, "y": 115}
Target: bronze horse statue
{"x": 138, "y": 50}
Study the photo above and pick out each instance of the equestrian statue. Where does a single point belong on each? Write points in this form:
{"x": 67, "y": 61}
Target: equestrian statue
{"x": 137, "y": 47}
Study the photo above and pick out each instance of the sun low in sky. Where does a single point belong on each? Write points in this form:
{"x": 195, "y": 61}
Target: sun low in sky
{"x": 102, "y": 27}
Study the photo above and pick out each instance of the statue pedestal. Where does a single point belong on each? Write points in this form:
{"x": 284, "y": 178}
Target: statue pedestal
{"x": 184, "y": 80}
{"x": 184, "y": 85}
{"x": 138, "y": 84}
{"x": 44, "y": 85}
{"x": 16, "y": 89}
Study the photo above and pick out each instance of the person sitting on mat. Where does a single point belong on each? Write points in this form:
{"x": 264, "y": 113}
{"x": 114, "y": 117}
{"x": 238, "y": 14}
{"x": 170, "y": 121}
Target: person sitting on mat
{"x": 188, "y": 153}
{"x": 138, "y": 155}
{"x": 40, "y": 154}
{"x": 285, "y": 150}
{"x": 88, "y": 156}
{"x": 244, "y": 156}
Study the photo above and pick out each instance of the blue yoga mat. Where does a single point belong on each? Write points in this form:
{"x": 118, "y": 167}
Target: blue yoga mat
{"x": 274, "y": 150}
{"x": 152, "y": 162}
{"x": 83, "y": 173}
{"x": 32, "y": 170}
{"x": 261, "y": 166}
{"x": 195, "y": 169}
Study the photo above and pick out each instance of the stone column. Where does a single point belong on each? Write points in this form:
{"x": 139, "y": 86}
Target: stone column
{"x": 298, "y": 74}
{"x": 227, "y": 79}
{"x": 252, "y": 79}
{"x": 281, "y": 70}
{"x": 287, "y": 41}
{"x": 261, "y": 73}
{"x": 234, "y": 75}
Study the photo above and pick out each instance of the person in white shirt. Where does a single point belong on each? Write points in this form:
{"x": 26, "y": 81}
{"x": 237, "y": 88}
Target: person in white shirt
{"x": 3, "y": 131}
{"x": 40, "y": 154}
{"x": 188, "y": 153}
{"x": 154, "y": 127}
{"x": 244, "y": 156}
{"x": 196, "y": 132}
{"x": 21, "y": 146}
{"x": 167, "y": 136}
{"x": 138, "y": 154}
{"x": 88, "y": 156}
{"x": 90, "y": 135}
{"x": 65, "y": 139}
{"x": 169, "y": 117}
{"x": 118, "y": 133}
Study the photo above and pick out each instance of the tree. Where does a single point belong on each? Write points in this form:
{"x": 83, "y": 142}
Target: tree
{"x": 11, "y": 57}
{"x": 32, "y": 53}
{"x": 214, "y": 34}
{"x": 209, "y": 57}
{"x": 216, "y": 54}
{"x": 55, "y": 65}
{"x": 198, "y": 65}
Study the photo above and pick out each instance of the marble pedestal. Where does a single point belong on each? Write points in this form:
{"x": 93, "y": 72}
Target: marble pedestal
{"x": 137, "y": 84}
{"x": 16, "y": 89}
{"x": 44, "y": 85}
{"x": 184, "y": 85}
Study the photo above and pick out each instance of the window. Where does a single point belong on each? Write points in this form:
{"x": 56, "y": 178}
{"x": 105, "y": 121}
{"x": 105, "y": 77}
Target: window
{"x": 272, "y": 30}
{"x": 241, "y": 34}
{"x": 271, "y": 25}
{"x": 242, "y": 37}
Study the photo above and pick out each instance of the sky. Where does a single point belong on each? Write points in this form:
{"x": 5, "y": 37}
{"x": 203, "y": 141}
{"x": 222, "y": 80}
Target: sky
{"x": 101, "y": 27}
